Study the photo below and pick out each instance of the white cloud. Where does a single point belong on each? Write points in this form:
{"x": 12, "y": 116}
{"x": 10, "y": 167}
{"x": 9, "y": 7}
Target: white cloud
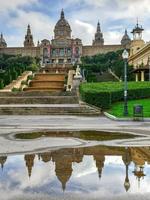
{"x": 83, "y": 30}
{"x": 41, "y": 25}
{"x": 8, "y": 5}
{"x": 114, "y": 16}
{"x": 112, "y": 37}
{"x": 146, "y": 35}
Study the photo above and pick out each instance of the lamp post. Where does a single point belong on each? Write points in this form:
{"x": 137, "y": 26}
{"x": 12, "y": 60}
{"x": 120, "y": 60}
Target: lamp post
{"x": 125, "y": 57}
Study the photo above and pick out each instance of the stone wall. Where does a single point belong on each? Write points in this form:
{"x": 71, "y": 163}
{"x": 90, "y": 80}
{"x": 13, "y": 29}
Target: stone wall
{"x": 24, "y": 51}
{"x": 93, "y": 50}
{"x": 37, "y": 51}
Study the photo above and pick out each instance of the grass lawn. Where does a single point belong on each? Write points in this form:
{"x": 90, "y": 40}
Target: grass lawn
{"x": 117, "y": 108}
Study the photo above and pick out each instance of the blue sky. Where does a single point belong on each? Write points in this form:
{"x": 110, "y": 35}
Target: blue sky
{"x": 114, "y": 16}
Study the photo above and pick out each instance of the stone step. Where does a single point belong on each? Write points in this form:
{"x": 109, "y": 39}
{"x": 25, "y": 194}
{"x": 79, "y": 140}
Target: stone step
{"x": 49, "y": 77}
{"x": 39, "y": 100}
{"x": 44, "y": 109}
{"x": 49, "y": 84}
{"x": 36, "y": 94}
{"x": 46, "y": 89}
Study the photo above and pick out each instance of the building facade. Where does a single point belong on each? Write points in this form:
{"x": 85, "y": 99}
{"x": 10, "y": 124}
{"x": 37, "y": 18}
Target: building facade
{"x": 63, "y": 50}
{"x": 140, "y": 55}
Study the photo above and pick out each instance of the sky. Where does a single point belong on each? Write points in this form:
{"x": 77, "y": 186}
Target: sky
{"x": 114, "y": 15}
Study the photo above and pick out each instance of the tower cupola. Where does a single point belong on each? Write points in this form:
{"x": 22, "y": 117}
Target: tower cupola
{"x": 28, "y": 38}
{"x": 99, "y": 40}
{"x": 3, "y": 43}
{"x": 137, "y": 32}
{"x": 137, "y": 42}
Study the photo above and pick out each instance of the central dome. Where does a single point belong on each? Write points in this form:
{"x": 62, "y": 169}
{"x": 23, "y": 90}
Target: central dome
{"x": 62, "y": 28}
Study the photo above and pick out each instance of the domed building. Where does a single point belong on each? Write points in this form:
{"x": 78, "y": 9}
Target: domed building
{"x": 63, "y": 51}
{"x": 62, "y": 29}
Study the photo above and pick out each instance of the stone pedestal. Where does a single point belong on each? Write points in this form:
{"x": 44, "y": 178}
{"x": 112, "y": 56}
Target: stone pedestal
{"x": 76, "y": 82}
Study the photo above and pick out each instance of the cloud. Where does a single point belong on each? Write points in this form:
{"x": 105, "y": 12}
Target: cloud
{"x": 112, "y": 37}
{"x": 41, "y": 25}
{"x": 83, "y": 30}
{"x": 114, "y": 16}
{"x": 7, "y": 5}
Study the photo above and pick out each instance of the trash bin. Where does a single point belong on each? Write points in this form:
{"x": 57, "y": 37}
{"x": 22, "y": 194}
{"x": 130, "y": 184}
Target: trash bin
{"x": 138, "y": 112}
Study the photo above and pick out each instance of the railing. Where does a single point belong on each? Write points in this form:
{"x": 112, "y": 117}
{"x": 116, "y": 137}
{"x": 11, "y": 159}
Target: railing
{"x": 114, "y": 75}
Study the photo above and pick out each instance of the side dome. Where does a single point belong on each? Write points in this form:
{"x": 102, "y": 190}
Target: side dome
{"x": 126, "y": 39}
{"x": 62, "y": 28}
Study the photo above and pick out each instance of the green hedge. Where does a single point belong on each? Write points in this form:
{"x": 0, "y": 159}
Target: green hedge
{"x": 106, "y": 93}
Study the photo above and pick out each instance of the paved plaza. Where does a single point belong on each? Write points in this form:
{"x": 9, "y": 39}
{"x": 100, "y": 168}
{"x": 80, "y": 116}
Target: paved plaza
{"x": 10, "y": 125}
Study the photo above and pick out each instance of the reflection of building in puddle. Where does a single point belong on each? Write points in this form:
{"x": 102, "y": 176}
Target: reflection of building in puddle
{"x": 65, "y": 158}
{"x": 29, "y": 159}
{"x": 139, "y": 157}
{"x": 2, "y": 161}
{"x": 46, "y": 157}
{"x": 127, "y": 160}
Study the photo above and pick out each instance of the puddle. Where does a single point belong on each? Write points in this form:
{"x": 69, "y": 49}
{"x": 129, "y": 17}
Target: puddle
{"x": 77, "y": 173}
{"x": 84, "y": 135}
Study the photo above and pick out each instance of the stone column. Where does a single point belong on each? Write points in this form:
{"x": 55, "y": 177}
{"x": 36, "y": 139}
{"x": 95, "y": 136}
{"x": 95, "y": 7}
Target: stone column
{"x": 136, "y": 77}
{"x": 142, "y": 76}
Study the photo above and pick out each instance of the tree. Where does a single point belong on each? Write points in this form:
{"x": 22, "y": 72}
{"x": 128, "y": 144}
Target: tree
{"x": 1, "y": 84}
{"x": 102, "y": 62}
{"x": 12, "y": 66}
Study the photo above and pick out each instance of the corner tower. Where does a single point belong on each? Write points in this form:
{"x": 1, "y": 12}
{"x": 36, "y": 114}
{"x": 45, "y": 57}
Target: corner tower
{"x": 3, "y": 43}
{"x": 99, "y": 40}
{"x": 62, "y": 29}
{"x": 28, "y": 38}
{"x": 137, "y": 42}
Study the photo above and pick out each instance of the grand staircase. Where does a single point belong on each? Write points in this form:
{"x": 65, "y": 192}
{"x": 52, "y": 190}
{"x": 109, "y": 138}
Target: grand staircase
{"x": 45, "y": 95}
{"x": 47, "y": 82}
{"x": 44, "y": 104}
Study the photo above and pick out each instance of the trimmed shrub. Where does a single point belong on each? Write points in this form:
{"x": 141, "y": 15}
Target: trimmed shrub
{"x": 1, "y": 84}
{"x": 104, "y": 94}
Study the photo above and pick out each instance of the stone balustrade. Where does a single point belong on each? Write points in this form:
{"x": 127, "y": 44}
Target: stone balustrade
{"x": 17, "y": 83}
{"x": 71, "y": 73}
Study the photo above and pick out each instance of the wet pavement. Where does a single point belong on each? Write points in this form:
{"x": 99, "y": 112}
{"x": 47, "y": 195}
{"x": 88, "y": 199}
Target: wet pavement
{"x": 10, "y": 123}
{"x": 71, "y": 168}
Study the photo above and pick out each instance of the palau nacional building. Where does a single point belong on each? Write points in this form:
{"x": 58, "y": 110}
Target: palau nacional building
{"x": 64, "y": 50}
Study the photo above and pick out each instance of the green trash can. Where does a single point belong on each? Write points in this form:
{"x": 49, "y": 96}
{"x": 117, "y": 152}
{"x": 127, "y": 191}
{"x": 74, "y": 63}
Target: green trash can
{"x": 138, "y": 114}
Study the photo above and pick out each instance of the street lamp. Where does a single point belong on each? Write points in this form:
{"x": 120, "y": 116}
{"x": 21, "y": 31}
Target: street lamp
{"x": 125, "y": 57}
